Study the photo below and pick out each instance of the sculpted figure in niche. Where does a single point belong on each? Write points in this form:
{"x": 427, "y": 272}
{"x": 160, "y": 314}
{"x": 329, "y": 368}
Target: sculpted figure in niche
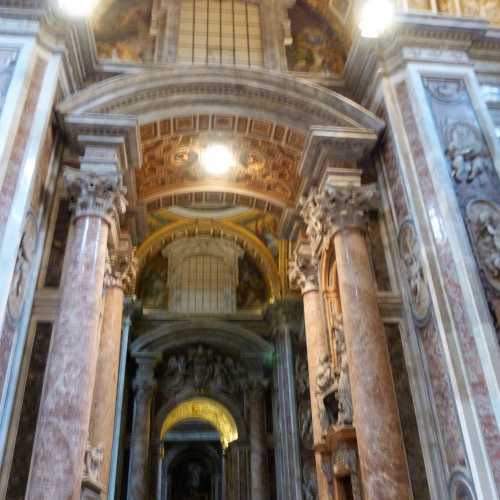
{"x": 342, "y": 384}
{"x": 325, "y": 387}
{"x": 466, "y": 151}
{"x": 409, "y": 250}
{"x": 303, "y": 402}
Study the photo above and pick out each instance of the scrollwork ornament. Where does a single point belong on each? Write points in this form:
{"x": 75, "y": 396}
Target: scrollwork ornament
{"x": 96, "y": 195}
{"x": 484, "y": 222}
{"x": 409, "y": 251}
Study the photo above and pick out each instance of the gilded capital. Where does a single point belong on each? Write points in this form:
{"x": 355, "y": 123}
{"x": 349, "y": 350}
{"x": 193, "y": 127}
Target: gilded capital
{"x": 334, "y": 209}
{"x": 304, "y": 272}
{"x": 97, "y": 195}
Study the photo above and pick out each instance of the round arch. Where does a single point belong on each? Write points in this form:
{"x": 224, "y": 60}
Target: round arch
{"x": 247, "y": 240}
{"x": 208, "y": 410}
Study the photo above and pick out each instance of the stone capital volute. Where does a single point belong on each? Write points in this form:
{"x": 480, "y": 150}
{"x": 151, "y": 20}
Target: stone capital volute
{"x": 304, "y": 272}
{"x": 96, "y": 195}
{"x": 334, "y": 209}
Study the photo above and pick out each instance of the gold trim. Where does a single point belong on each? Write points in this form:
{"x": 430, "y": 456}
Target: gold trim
{"x": 207, "y": 410}
{"x": 246, "y": 239}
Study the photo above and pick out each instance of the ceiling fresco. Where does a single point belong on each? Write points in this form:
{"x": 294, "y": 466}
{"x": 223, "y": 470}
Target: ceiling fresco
{"x": 266, "y": 157}
{"x": 122, "y": 30}
{"x": 316, "y": 48}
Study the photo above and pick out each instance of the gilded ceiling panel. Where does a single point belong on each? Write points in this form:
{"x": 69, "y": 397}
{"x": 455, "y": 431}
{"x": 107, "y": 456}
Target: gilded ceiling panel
{"x": 266, "y": 156}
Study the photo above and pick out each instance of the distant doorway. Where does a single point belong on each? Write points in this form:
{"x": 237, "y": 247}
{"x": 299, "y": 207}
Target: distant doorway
{"x": 194, "y": 462}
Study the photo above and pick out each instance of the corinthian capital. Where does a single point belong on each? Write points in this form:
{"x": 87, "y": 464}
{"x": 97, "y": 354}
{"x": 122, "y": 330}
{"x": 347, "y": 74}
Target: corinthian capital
{"x": 333, "y": 209}
{"x": 121, "y": 271}
{"x": 304, "y": 271}
{"x": 98, "y": 195}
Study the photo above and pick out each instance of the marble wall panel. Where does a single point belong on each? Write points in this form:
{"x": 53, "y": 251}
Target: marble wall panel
{"x": 29, "y": 413}
{"x": 24, "y": 269}
{"x": 8, "y": 59}
{"x": 450, "y": 272}
{"x": 437, "y": 380}
{"x": 407, "y": 415}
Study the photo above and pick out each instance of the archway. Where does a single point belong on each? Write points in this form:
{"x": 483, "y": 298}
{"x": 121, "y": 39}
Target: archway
{"x": 195, "y": 436}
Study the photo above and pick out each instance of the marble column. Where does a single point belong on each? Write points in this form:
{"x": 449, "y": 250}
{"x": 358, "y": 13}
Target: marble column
{"x": 62, "y": 431}
{"x": 340, "y": 212}
{"x": 258, "y": 444}
{"x": 120, "y": 273}
{"x": 286, "y": 319}
{"x": 304, "y": 273}
{"x": 144, "y": 387}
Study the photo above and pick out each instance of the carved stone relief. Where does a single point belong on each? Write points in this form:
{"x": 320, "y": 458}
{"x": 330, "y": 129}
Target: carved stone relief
{"x": 409, "y": 251}
{"x": 22, "y": 268}
{"x": 484, "y": 221}
{"x": 92, "y": 464}
{"x": 202, "y": 368}
{"x": 342, "y": 386}
{"x": 303, "y": 402}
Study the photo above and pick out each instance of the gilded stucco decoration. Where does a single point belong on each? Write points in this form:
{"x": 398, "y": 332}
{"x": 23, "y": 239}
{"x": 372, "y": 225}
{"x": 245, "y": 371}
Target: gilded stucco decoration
{"x": 266, "y": 156}
{"x": 248, "y": 241}
{"x": 207, "y": 410}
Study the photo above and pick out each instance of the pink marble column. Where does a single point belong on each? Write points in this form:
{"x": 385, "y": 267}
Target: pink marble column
{"x": 341, "y": 214}
{"x": 144, "y": 387}
{"x": 304, "y": 273}
{"x": 62, "y": 431}
{"x": 258, "y": 444}
{"x": 120, "y": 273}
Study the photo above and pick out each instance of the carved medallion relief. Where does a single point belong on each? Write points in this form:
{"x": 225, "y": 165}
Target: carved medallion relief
{"x": 475, "y": 180}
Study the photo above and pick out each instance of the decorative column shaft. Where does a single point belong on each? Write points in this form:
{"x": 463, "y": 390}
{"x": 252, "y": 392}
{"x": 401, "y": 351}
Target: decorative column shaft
{"x": 120, "y": 273}
{"x": 59, "y": 448}
{"x": 341, "y": 215}
{"x": 144, "y": 387}
{"x": 258, "y": 444}
{"x": 304, "y": 273}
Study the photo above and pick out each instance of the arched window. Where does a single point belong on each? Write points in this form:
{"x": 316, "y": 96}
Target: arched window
{"x": 220, "y": 32}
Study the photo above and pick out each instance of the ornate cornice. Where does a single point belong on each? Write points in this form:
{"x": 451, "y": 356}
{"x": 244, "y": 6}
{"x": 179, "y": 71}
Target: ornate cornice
{"x": 334, "y": 209}
{"x": 96, "y": 195}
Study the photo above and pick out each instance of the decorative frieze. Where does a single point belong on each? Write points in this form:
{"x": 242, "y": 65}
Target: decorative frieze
{"x": 96, "y": 195}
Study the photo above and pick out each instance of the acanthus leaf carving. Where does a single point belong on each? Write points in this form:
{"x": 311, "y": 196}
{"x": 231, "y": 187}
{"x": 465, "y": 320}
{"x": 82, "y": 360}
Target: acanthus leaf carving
{"x": 98, "y": 195}
{"x": 303, "y": 272}
{"x": 121, "y": 271}
{"x": 336, "y": 208}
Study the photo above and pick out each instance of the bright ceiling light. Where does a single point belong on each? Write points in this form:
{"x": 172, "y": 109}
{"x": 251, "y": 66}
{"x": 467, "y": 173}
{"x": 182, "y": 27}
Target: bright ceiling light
{"x": 217, "y": 159}
{"x": 376, "y": 17}
{"x": 77, "y": 8}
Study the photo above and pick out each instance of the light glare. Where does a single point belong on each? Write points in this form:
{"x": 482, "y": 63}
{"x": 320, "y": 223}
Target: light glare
{"x": 217, "y": 159}
{"x": 376, "y": 17}
{"x": 77, "y": 8}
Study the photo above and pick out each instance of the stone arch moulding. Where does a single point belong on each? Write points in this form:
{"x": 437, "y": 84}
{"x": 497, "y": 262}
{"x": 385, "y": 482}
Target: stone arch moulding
{"x": 247, "y": 240}
{"x": 173, "y": 91}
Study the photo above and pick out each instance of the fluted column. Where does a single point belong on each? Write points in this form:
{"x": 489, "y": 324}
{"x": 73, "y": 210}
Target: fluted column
{"x": 258, "y": 444}
{"x": 58, "y": 453}
{"x": 144, "y": 387}
{"x": 304, "y": 273}
{"x": 339, "y": 213}
{"x": 119, "y": 275}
